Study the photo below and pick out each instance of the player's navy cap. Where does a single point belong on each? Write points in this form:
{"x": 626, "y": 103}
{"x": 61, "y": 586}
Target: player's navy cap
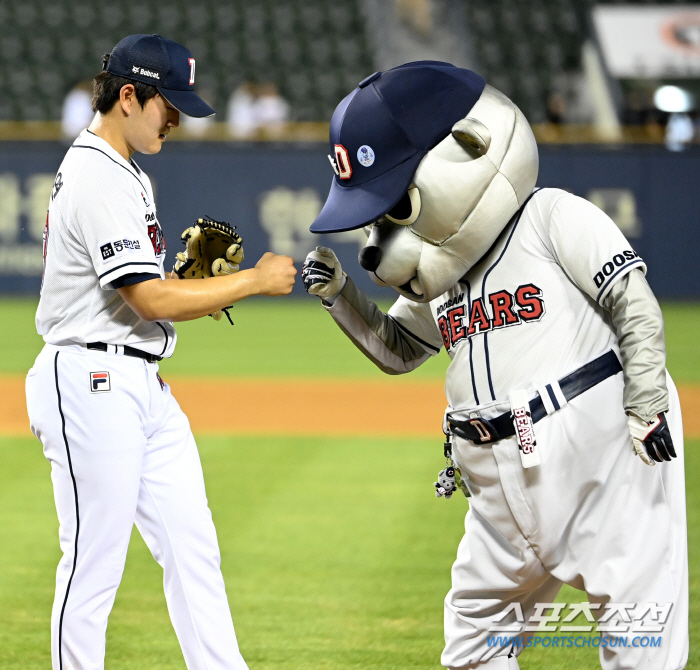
{"x": 162, "y": 63}
{"x": 381, "y": 132}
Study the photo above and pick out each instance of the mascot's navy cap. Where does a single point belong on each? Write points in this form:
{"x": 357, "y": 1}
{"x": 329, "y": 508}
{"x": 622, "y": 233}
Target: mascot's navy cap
{"x": 382, "y": 130}
{"x": 167, "y": 65}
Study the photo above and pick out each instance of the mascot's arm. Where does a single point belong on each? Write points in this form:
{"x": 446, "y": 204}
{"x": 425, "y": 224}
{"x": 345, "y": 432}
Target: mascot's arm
{"x": 639, "y": 326}
{"x": 389, "y": 345}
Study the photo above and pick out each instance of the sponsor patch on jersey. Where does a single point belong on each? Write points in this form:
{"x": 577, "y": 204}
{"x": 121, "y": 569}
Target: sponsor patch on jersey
{"x": 365, "y": 155}
{"x": 58, "y": 183}
{"x": 111, "y": 249}
{"x": 614, "y": 265}
{"x": 99, "y": 382}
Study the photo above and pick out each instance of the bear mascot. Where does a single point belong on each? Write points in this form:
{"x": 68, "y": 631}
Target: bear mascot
{"x": 564, "y": 424}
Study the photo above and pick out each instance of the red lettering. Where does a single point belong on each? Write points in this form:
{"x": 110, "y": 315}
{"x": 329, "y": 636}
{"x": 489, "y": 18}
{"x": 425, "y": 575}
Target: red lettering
{"x": 455, "y": 317}
{"x": 529, "y": 300}
{"x": 478, "y": 318}
{"x": 444, "y": 331}
{"x": 503, "y": 312}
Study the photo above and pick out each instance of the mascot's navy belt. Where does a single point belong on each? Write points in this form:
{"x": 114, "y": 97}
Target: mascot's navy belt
{"x": 483, "y": 431}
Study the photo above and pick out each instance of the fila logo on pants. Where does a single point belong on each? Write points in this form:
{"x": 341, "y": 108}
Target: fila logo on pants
{"x": 99, "y": 382}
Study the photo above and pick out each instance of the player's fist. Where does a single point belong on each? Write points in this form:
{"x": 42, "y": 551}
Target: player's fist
{"x": 322, "y": 274}
{"x": 275, "y": 274}
{"x": 651, "y": 440}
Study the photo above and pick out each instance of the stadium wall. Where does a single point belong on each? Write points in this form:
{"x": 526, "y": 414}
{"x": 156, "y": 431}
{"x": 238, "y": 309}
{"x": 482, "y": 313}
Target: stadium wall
{"x": 273, "y": 191}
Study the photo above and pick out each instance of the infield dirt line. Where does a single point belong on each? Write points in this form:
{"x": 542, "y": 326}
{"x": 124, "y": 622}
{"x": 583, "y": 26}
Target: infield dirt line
{"x": 305, "y": 406}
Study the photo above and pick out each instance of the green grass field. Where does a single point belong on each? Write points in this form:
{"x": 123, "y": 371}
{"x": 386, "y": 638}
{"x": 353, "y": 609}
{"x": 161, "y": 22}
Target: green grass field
{"x": 339, "y": 559}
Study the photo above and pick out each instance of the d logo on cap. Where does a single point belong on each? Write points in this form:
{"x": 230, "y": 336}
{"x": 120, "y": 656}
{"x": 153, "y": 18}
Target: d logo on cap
{"x": 342, "y": 159}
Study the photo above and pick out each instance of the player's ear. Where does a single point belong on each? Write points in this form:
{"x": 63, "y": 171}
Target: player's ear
{"x": 127, "y": 98}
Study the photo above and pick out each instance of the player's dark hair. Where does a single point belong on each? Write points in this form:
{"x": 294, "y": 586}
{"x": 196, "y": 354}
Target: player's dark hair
{"x": 106, "y": 88}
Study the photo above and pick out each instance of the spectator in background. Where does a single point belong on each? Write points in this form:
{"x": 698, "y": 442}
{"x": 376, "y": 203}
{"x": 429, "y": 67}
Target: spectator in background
{"x": 638, "y": 107}
{"x": 240, "y": 112}
{"x": 197, "y": 127}
{"x": 272, "y": 110}
{"x": 556, "y": 108}
{"x": 77, "y": 113}
{"x": 679, "y": 131}
{"x": 417, "y": 14}
{"x": 253, "y": 108}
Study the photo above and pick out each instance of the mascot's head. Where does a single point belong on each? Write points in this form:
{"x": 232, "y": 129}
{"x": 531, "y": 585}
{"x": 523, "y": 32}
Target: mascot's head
{"x": 434, "y": 163}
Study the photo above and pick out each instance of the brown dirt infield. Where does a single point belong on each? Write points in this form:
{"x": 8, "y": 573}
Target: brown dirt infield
{"x": 305, "y": 406}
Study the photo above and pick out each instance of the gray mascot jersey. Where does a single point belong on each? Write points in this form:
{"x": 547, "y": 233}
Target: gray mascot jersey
{"x": 537, "y": 306}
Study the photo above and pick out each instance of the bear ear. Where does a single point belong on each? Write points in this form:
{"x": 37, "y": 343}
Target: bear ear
{"x": 473, "y": 134}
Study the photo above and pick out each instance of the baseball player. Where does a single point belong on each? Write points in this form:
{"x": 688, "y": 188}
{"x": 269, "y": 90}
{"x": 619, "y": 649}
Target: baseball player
{"x": 120, "y": 448}
{"x": 558, "y": 396}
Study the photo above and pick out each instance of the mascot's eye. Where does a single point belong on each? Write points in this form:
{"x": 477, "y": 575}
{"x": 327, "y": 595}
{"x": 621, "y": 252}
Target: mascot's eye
{"x": 406, "y": 210}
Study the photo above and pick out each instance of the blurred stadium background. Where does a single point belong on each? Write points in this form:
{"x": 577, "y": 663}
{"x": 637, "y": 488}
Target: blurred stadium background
{"x": 320, "y": 471}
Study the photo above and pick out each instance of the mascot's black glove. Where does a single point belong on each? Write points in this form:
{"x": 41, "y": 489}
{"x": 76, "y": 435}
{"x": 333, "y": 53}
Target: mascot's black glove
{"x": 322, "y": 274}
{"x": 651, "y": 440}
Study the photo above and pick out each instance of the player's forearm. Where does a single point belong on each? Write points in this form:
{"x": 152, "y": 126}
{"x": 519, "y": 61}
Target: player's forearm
{"x": 639, "y": 326}
{"x": 374, "y": 333}
{"x": 185, "y": 300}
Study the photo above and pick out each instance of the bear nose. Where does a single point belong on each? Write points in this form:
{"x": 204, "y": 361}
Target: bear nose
{"x": 369, "y": 258}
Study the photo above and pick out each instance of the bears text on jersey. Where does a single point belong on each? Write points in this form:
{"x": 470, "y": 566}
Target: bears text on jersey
{"x": 499, "y": 310}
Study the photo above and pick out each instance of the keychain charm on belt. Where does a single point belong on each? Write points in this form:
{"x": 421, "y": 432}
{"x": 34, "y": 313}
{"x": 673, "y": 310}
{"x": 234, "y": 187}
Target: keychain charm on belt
{"x": 449, "y": 479}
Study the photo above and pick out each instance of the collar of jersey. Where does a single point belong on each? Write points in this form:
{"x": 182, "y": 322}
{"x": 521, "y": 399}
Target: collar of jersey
{"x": 88, "y": 139}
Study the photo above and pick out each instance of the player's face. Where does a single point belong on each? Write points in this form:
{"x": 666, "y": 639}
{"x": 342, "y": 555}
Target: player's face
{"x": 151, "y": 125}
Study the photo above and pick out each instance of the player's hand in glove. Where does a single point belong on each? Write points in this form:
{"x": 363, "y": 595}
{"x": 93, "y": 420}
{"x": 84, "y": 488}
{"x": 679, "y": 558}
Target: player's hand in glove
{"x": 212, "y": 249}
{"x": 322, "y": 274}
{"x": 651, "y": 440}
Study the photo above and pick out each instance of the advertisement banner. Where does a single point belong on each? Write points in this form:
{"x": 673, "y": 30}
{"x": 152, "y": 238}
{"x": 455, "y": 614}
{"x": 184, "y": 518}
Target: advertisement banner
{"x": 650, "y": 41}
{"x": 273, "y": 193}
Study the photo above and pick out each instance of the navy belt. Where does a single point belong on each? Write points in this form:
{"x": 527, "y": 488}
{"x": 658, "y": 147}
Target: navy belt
{"x": 484, "y": 431}
{"x": 128, "y": 351}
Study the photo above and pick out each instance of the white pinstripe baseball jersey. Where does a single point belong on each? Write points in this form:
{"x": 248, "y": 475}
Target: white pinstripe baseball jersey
{"x": 101, "y": 226}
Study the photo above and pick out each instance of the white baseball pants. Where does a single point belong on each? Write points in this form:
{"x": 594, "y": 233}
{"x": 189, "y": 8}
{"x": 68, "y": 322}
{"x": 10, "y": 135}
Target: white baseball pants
{"x": 591, "y": 515}
{"x": 118, "y": 457}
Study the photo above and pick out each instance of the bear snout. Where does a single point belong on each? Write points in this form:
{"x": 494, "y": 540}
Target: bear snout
{"x": 369, "y": 258}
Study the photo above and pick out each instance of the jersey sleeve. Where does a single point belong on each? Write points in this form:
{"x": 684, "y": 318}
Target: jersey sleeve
{"x": 131, "y": 279}
{"x": 416, "y": 320}
{"x": 113, "y": 226}
{"x": 379, "y": 336}
{"x": 588, "y": 245}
